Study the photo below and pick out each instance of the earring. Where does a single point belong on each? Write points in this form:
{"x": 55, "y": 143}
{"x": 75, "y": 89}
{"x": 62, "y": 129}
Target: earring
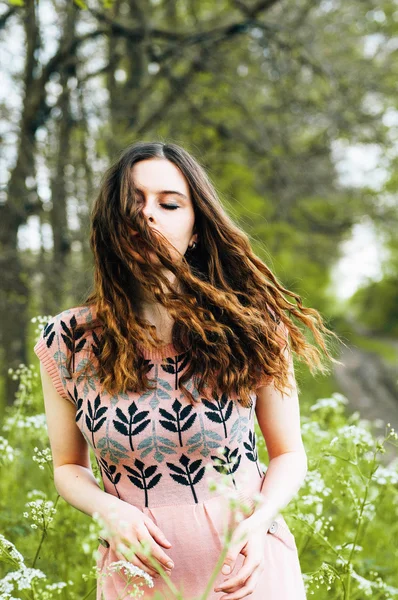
{"x": 194, "y": 244}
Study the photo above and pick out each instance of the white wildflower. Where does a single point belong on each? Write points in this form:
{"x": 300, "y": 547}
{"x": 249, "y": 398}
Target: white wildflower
{"x": 131, "y": 570}
{"x": 42, "y": 457}
{"x": 7, "y": 454}
{"x": 8, "y": 551}
{"x": 19, "y": 580}
{"x": 41, "y": 512}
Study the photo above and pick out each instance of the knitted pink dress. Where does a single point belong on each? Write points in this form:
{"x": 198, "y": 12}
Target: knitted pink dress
{"x": 152, "y": 450}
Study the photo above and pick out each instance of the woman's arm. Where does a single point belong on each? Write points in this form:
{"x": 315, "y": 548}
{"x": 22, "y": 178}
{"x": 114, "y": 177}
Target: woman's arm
{"x": 73, "y": 477}
{"x": 75, "y": 482}
{"x": 278, "y": 417}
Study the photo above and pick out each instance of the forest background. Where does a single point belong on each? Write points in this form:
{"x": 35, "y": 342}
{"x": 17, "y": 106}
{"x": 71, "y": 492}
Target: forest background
{"x": 273, "y": 97}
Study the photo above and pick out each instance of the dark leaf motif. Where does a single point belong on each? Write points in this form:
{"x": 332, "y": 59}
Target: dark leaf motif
{"x": 199, "y": 475}
{"x": 189, "y": 422}
{"x": 176, "y": 469}
{"x": 167, "y": 415}
{"x": 140, "y": 476}
{"x": 131, "y": 424}
{"x": 137, "y": 482}
{"x": 216, "y": 413}
{"x": 195, "y": 465}
{"x": 48, "y": 333}
{"x": 79, "y": 411}
{"x": 179, "y": 479}
{"x": 252, "y": 450}
{"x": 95, "y": 418}
{"x": 150, "y": 471}
{"x": 98, "y": 345}
{"x": 121, "y": 415}
{"x": 73, "y": 338}
{"x": 121, "y": 427}
{"x": 169, "y": 426}
{"x": 214, "y": 417}
{"x": 230, "y": 464}
{"x": 154, "y": 481}
{"x": 175, "y": 364}
{"x": 111, "y": 473}
{"x": 99, "y": 424}
{"x": 183, "y": 476}
{"x": 175, "y": 422}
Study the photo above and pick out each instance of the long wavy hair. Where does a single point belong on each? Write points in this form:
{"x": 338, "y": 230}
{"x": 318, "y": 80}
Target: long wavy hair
{"x": 229, "y": 311}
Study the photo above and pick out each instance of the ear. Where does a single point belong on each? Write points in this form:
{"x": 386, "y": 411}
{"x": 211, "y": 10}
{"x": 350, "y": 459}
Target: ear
{"x": 194, "y": 238}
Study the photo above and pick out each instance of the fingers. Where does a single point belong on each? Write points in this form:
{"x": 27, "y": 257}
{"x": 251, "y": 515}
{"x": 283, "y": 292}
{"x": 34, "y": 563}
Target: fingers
{"x": 157, "y": 533}
{"x": 245, "y": 587}
{"x": 156, "y": 552}
{"x": 135, "y": 560}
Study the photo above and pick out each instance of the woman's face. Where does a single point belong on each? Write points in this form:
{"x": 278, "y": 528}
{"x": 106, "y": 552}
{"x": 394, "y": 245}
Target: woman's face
{"x": 164, "y": 195}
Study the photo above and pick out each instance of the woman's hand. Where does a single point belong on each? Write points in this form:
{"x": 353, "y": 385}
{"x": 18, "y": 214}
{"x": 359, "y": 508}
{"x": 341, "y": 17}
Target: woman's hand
{"x": 129, "y": 526}
{"x": 247, "y": 539}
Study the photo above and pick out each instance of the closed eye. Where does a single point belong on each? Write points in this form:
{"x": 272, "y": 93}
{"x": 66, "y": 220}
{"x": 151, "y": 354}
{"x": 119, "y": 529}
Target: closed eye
{"x": 170, "y": 206}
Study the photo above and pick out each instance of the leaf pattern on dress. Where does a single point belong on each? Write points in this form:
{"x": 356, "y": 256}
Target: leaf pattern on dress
{"x": 115, "y": 450}
{"x": 252, "y": 450}
{"x": 111, "y": 472}
{"x": 184, "y": 475}
{"x": 132, "y": 423}
{"x": 160, "y": 426}
{"x": 95, "y": 418}
{"x": 175, "y": 423}
{"x": 230, "y": 464}
{"x": 73, "y": 337}
{"x": 77, "y": 401}
{"x": 174, "y": 365}
{"x": 239, "y": 429}
{"x": 200, "y": 440}
{"x": 141, "y": 477}
{"x": 216, "y": 412}
{"x": 160, "y": 444}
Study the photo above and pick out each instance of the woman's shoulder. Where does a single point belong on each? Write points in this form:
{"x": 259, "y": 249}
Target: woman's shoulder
{"x": 76, "y": 315}
{"x": 62, "y": 334}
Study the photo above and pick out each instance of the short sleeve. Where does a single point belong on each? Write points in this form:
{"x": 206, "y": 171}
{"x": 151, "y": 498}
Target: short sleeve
{"x": 51, "y": 351}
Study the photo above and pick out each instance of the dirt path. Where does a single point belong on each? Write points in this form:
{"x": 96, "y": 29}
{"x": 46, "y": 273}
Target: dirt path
{"x": 371, "y": 387}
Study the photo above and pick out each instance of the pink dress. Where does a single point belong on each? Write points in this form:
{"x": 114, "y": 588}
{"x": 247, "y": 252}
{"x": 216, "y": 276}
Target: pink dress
{"x": 152, "y": 450}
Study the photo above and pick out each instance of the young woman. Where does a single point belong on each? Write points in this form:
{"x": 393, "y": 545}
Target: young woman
{"x": 160, "y": 371}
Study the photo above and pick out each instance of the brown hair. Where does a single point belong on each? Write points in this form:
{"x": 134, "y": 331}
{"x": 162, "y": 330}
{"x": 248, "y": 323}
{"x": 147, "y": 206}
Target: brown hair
{"x": 219, "y": 306}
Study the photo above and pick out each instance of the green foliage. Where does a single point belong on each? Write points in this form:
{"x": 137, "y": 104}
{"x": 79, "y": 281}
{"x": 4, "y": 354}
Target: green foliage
{"x": 344, "y": 518}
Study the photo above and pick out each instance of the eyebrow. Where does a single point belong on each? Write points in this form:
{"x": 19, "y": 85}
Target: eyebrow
{"x": 165, "y": 192}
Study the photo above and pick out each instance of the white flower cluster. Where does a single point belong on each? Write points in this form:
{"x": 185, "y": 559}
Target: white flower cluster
{"x": 23, "y": 577}
{"x": 53, "y": 589}
{"x": 324, "y": 576}
{"x": 41, "y": 512}
{"x": 317, "y": 491}
{"x": 36, "y": 422}
{"x": 313, "y": 428}
{"x": 7, "y": 454}
{"x": 21, "y": 580}
{"x": 26, "y": 374}
{"x": 386, "y": 475}
{"x": 8, "y": 552}
{"x": 42, "y": 457}
{"x": 356, "y": 434}
{"x": 336, "y": 402}
{"x": 130, "y": 572}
